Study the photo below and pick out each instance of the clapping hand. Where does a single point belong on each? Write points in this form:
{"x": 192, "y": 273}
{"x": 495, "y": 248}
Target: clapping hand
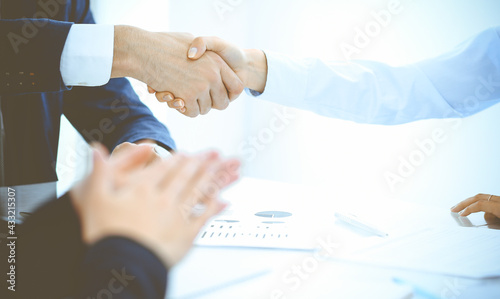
{"x": 151, "y": 205}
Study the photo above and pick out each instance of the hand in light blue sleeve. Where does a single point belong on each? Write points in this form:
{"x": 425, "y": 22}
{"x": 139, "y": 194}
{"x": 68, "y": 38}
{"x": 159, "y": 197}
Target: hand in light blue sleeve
{"x": 456, "y": 84}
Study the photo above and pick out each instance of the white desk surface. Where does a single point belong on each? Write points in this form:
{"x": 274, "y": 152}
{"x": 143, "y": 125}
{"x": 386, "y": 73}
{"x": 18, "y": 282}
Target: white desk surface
{"x": 217, "y": 272}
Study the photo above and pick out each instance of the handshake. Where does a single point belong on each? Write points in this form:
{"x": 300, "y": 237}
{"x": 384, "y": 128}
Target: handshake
{"x": 192, "y": 75}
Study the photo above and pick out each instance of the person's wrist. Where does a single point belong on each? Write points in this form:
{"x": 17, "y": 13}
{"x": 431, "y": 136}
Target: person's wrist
{"x": 256, "y": 70}
{"x": 126, "y": 61}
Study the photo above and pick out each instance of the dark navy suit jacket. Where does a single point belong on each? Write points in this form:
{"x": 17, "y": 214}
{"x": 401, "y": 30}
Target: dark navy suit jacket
{"x": 33, "y": 95}
{"x": 52, "y": 261}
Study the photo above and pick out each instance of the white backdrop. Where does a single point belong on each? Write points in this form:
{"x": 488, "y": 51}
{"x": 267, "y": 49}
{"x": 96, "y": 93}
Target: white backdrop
{"x": 351, "y": 160}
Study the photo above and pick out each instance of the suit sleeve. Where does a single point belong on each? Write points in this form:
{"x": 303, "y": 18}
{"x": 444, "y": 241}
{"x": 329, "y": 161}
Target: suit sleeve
{"x": 50, "y": 251}
{"x": 31, "y": 55}
{"x": 123, "y": 268}
{"x": 113, "y": 114}
{"x": 53, "y": 262}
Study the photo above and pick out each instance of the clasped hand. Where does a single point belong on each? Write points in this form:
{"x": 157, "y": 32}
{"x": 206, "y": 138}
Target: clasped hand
{"x": 161, "y": 61}
{"x": 212, "y": 74}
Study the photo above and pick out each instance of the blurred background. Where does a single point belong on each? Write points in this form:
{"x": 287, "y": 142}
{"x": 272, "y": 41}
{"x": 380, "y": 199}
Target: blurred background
{"x": 348, "y": 159}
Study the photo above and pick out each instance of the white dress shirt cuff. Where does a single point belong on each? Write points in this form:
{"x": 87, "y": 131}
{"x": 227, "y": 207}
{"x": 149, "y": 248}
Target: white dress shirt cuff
{"x": 87, "y": 57}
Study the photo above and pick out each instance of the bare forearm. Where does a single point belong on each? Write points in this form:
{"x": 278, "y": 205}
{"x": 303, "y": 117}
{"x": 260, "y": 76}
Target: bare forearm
{"x": 123, "y": 58}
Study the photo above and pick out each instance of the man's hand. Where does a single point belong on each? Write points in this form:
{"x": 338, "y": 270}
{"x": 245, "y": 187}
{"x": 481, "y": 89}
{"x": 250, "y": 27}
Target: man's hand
{"x": 250, "y": 65}
{"x": 480, "y": 203}
{"x": 151, "y": 205}
{"x": 160, "y": 60}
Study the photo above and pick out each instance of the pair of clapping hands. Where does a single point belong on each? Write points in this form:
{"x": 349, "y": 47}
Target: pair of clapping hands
{"x": 161, "y": 204}
{"x": 238, "y": 69}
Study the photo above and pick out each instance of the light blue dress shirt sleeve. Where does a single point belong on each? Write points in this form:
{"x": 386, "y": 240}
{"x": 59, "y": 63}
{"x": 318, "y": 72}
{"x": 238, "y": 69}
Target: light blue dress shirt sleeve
{"x": 87, "y": 57}
{"x": 456, "y": 84}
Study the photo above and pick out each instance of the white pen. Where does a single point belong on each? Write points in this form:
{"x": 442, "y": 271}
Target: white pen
{"x": 359, "y": 223}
